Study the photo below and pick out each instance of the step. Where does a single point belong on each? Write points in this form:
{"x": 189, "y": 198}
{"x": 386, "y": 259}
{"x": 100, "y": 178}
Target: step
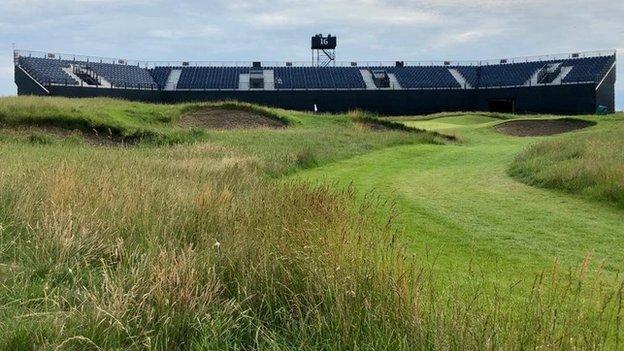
{"x": 103, "y": 82}
{"x": 460, "y": 78}
{"x": 269, "y": 79}
{"x": 368, "y": 79}
{"x": 243, "y": 81}
{"x": 533, "y": 80}
{"x": 394, "y": 82}
{"x": 564, "y": 72}
{"x": 173, "y": 79}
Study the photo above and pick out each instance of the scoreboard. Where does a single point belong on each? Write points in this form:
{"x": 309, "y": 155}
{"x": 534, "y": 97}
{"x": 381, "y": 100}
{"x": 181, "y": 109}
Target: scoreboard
{"x": 319, "y": 42}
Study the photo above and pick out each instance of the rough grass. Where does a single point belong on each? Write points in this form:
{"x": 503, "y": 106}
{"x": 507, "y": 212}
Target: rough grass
{"x": 132, "y": 121}
{"x": 192, "y": 247}
{"x": 590, "y": 164}
{"x": 189, "y": 248}
{"x": 307, "y": 141}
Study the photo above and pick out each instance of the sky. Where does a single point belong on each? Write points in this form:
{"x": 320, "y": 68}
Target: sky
{"x": 280, "y": 30}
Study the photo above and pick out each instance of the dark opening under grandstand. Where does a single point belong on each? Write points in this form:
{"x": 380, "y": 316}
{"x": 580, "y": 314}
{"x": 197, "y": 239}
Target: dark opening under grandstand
{"x": 576, "y": 83}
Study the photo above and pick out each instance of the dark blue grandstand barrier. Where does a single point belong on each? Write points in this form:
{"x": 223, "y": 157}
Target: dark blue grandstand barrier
{"x": 557, "y": 99}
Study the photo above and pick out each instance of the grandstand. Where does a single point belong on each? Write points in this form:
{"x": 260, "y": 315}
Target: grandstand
{"x": 568, "y": 83}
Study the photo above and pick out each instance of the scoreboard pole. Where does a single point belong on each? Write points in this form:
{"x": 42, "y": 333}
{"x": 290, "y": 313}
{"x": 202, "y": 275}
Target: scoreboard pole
{"x": 326, "y": 46}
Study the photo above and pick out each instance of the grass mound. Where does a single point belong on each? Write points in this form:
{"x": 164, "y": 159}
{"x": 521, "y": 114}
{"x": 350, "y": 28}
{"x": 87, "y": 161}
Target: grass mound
{"x": 122, "y": 119}
{"x": 590, "y": 164}
{"x": 117, "y": 120}
{"x": 375, "y": 123}
{"x": 309, "y": 141}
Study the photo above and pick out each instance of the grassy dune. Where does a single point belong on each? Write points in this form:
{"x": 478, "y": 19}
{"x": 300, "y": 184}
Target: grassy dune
{"x": 590, "y": 163}
{"x": 310, "y": 140}
{"x": 151, "y": 123}
{"x": 196, "y": 246}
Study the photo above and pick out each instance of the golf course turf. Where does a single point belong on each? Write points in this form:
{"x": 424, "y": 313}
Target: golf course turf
{"x": 125, "y": 227}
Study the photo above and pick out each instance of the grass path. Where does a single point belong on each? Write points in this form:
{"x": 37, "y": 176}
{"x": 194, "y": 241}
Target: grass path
{"x": 458, "y": 202}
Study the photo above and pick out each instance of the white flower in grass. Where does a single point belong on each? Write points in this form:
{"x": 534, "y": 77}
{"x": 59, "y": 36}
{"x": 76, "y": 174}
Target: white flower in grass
{"x": 217, "y": 245}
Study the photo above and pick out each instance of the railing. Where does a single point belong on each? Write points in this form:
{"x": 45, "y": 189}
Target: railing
{"x": 552, "y": 57}
{"x": 363, "y": 64}
{"x": 79, "y": 58}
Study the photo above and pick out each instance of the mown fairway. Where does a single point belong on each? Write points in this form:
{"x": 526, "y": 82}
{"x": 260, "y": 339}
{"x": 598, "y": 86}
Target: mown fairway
{"x": 459, "y": 202}
{"x": 123, "y": 229}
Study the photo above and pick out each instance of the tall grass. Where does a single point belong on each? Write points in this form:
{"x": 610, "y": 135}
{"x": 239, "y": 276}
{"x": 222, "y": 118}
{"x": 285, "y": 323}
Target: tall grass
{"x": 590, "y": 164}
{"x": 188, "y": 248}
{"x": 192, "y": 247}
{"x": 132, "y": 121}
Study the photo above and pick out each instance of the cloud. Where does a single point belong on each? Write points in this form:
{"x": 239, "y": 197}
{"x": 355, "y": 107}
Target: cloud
{"x": 331, "y": 13}
{"x": 6, "y": 66}
{"x": 185, "y": 33}
{"x": 6, "y": 71}
{"x": 279, "y": 19}
{"x": 467, "y": 37}
{"x": 396, "y": 17}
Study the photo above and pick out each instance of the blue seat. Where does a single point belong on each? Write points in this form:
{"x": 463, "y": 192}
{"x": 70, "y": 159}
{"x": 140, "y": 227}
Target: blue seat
{"x": 47, "y": 71}
{"x": 588, "y": 69}
{"x": 210, "y": 77}
{"x": 51, "y": 71}
{"x": 318, "y": 78}
{"x": 160, "y": 75}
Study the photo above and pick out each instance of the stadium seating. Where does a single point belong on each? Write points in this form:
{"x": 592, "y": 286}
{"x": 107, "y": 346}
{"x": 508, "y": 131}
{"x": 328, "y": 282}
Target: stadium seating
{"x": 508, "y": 74}
{"x": 501, "y": 75}
{"x": 160, "y": 75}
{"x": 469, "y": 73}
{"x": 47, "y": 71}
{"x": 123, "y": 75}
{"x": 51, "y": 71}
{"x": 210, "y": 77}
{"x": 588, "y": 69}
{"x": 318, "y": 78}
{"x": 424, "y": 77}
{"x": 513, "y": 74}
